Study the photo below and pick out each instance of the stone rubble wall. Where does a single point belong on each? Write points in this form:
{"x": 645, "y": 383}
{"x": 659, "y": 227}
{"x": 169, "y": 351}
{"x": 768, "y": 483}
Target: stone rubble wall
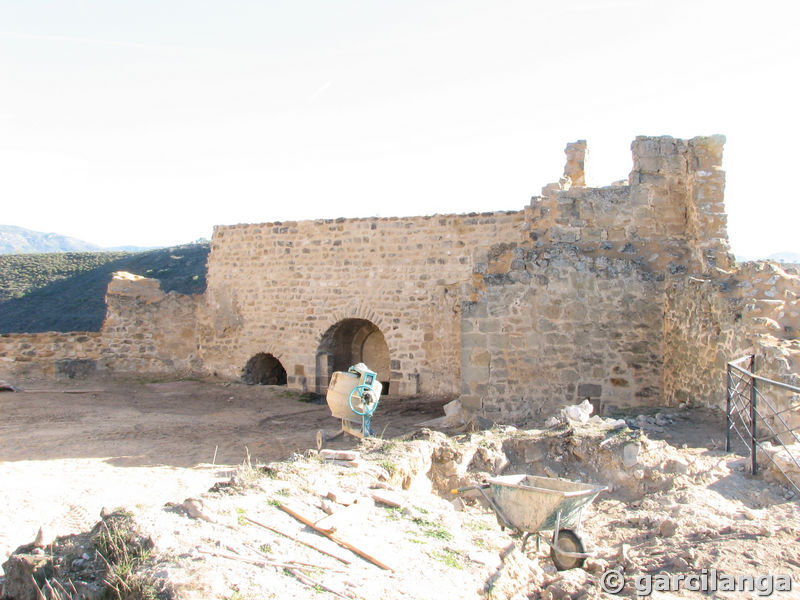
{"x": 146, "y": 331}
{"x": 34, "y": 355}
{"x": 559, "y": 327}
{"x": 579, "y": 308}
{"x": 772, "y": 295}
{"x": 711, "y": 321}
{"x": 671, "y": 212}
{"x": 703, "y": 330}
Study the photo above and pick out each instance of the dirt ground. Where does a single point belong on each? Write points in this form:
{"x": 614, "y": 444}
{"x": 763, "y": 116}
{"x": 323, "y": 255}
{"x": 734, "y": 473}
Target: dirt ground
{"x": 69, "y": 448}
{"x": 676, "y": 503}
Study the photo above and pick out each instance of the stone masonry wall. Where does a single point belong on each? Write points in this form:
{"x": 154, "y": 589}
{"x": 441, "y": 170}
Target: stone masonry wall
{"x": 278, "y": 287}
{"x": 625, "y": 294}
{"x": 145, "y": 331}
{"x": 148, "y": 331}
{"x": 579, "y": 311}
{"x": 559, "y": 327}
{"x": 712, "y": 320}
{"x": 702, "y": 331}
{"x": 671, "y": 213}
{"x": 24, "y": 355}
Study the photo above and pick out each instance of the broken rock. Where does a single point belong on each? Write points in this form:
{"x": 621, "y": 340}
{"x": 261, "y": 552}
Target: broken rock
{"x": 194, "y": 508}
{"x": 630, "y": 454}
{"x": 44, "y": 537}
{"x": 578, "y": 413}
{"x": 667, "y": 528}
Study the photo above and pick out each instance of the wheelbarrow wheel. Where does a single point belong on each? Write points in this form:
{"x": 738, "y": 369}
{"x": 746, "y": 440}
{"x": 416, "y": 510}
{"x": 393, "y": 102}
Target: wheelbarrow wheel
{"x": 568, "y": 541}
{"x": 320, "y": 438}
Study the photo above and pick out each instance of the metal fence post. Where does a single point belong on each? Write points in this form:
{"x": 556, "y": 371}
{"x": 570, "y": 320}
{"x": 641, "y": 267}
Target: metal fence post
{"x": 728, "y": 411}
{"x": 753, "y": 400}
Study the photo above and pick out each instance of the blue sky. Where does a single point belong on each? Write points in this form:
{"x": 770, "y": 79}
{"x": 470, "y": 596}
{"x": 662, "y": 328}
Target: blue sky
{"x": 147, "y": 123}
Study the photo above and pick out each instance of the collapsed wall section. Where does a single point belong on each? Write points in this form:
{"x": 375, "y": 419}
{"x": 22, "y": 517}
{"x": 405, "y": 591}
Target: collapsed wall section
{"x": 145, "y": 331}
{"x": 280, "y": 287}
{"x": 578, "y": 309}
{"x": 670, "y": 215}
{"x": 712, "y": 320}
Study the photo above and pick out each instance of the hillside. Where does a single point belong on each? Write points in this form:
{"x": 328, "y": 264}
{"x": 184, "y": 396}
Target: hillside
{"x": 66, "y": 291}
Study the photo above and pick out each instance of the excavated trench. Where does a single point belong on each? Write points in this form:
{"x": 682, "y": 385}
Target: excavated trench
{"x": 627, "y": 462}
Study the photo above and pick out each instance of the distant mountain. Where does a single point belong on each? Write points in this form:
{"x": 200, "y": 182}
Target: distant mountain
{"x": 785, "y": 257}
{"x": 18, "y": 240}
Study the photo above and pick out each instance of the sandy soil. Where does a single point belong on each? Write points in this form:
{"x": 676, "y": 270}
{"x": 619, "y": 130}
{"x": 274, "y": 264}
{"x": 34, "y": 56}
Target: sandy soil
{"x": 67, "y": 449}
{"x": 683, "y": 507}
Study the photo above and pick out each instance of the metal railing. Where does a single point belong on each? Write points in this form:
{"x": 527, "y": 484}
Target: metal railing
{"x": 752, "y": 414}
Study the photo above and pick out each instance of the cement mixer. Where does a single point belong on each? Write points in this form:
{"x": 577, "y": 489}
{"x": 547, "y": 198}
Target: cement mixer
{"x": 353, "y": 397}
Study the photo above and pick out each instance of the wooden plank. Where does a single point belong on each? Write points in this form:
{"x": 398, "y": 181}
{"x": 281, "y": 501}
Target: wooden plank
{"x": 345, "y": 455}
{"x": 299, "y": 541}
{"x": 388, "y": 498}
{"x": 62, "y": 391}
{"x": 341, "y": 497}
{"x": 344, "y": 543}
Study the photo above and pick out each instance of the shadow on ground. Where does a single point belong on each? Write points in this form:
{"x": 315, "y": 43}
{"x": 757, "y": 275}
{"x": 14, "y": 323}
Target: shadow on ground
{"x": 178, "y": 424}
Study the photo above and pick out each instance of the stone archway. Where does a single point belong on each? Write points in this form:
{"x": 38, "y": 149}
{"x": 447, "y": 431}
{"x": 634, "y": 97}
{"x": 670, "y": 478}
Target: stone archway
{"x": 264, "y": 369}
{"x": 348, "y": 342}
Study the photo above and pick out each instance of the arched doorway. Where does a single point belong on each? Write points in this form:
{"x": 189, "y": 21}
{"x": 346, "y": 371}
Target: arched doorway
{"x": 264, "y": 369}
{"x": 348, "y": 342}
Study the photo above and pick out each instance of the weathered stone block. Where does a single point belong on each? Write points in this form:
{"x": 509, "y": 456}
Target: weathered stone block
{"x": 79, "y": 368}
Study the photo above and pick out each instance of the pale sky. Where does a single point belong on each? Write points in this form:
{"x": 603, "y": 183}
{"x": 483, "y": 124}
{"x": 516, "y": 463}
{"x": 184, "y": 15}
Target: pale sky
{"x": 146, "y": 123}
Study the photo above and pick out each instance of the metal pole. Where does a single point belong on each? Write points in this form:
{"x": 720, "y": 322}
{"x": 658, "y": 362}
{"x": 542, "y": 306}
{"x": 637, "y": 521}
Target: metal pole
{"x": 753, "y": 399}
{"x": 728, "y": 412}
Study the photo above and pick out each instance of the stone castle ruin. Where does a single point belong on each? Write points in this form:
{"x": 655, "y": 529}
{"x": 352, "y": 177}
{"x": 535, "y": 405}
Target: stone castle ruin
{"x": 626, "y": 295}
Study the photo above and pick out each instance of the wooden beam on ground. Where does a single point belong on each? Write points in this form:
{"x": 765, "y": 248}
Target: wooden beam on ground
{"x": 344, "y": 543}
{"x": 299, "y": 541}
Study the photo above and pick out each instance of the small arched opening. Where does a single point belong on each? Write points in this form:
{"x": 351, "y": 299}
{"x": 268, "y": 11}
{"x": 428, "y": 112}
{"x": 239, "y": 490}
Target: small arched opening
{"x": 264, "y": 369}
{"x": 349, "y": 342}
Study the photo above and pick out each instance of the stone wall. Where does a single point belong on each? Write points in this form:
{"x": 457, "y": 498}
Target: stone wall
{"x": 702, "y": 332}
{"x": 670, "y": 216}
{"x": 148, "y": 331}
{"x": 24, "y": 355}
{"x": 625, "y": 294}
{"x": 278, "y": 287}
{"x": 559, "y": 327}
{"x": 578, "y": 309}
{"x": 715, "y": 319}
{"x": 145, "y": 331}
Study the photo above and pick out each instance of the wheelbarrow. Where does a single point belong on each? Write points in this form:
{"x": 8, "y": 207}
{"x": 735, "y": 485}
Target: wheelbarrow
{"x": 352, "y": 397}
{"x": 529, "y": 505}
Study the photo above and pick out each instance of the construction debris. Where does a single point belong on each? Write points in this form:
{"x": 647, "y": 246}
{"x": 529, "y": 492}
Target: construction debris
{"x": 339, "y": 540}
{"x": 292, "y": 528}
